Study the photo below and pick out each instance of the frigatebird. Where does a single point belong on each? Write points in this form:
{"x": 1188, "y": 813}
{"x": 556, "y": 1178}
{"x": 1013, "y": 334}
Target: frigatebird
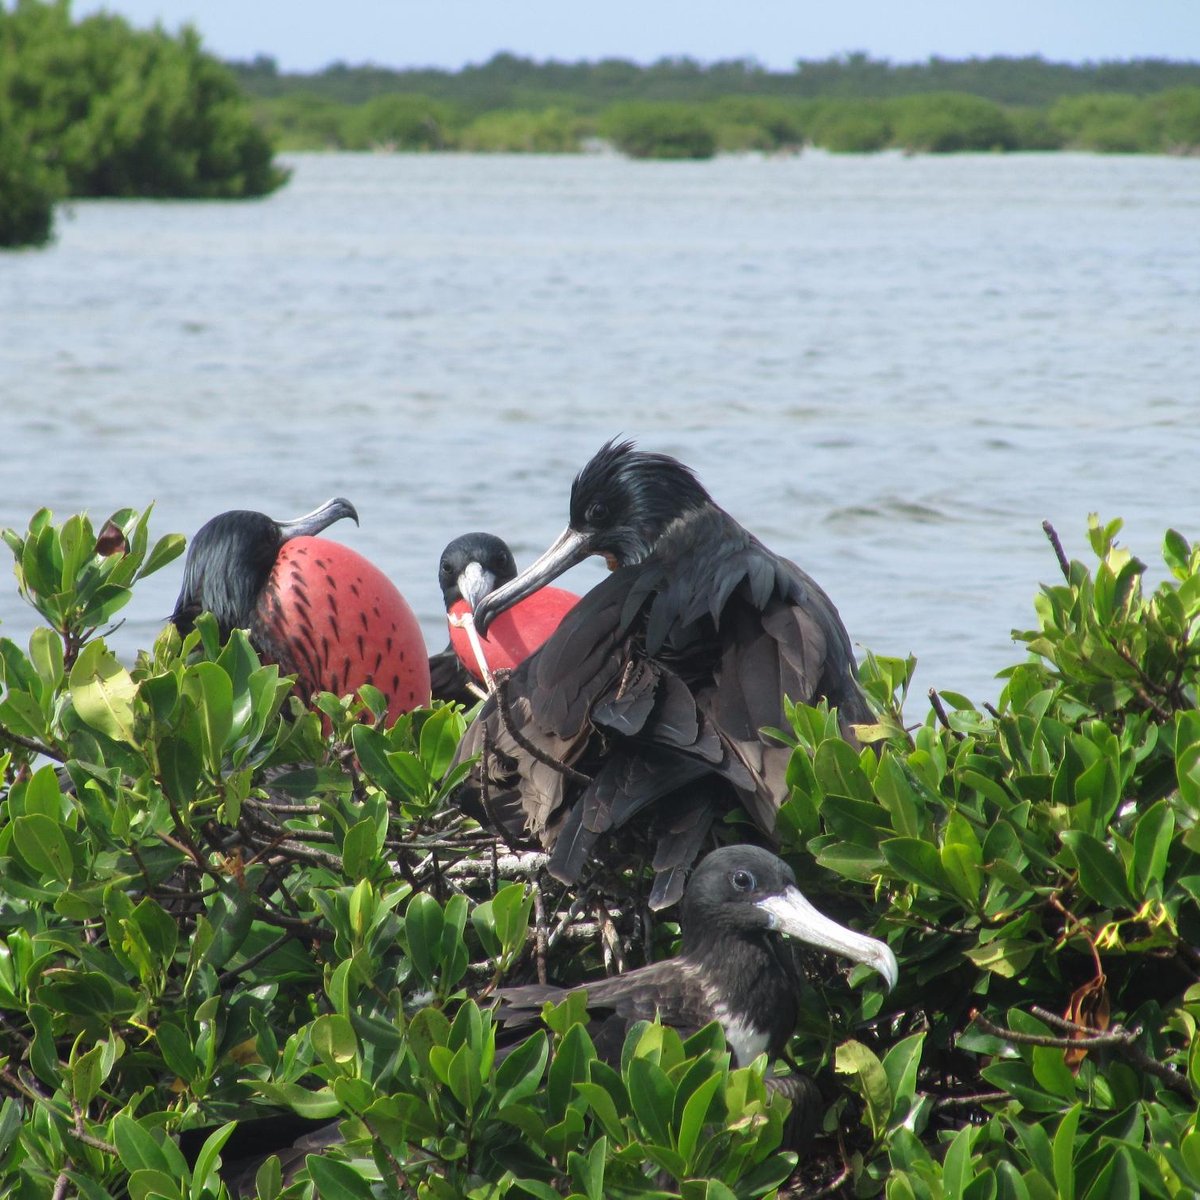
{"x": 316, "y": 608}
{"x": 736, "y": 966}
{"x": 732, "y": 967}
{"x": 471, "y": 566}
{"x": 655, "y": 689}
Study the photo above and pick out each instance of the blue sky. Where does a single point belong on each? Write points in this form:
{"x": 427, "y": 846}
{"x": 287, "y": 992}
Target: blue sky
{"x": 305, "y": 36}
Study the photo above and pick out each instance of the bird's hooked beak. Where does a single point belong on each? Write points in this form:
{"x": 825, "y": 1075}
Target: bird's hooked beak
{"x": 320, "y": 518}
{"x": 791, "y": 913}
{"x": 570, "y": 548}
{"x": 475, "y": 582}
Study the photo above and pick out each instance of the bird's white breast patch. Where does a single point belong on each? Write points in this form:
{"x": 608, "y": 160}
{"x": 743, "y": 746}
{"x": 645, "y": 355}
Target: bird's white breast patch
{"x": 745, "y": 1040}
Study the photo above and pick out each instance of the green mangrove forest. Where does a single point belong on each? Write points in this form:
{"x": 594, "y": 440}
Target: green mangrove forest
{"x": 682, "y": 109}
{"x": 98, "y": 108}
{"x": 215, "y": 902}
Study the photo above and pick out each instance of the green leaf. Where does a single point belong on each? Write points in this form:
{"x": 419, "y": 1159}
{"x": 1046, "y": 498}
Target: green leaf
{"x": 103, "y": 692}
{"x": 210, "y": 689}
{"x": 840, "y": 773}
{"x": 917, "y": 862}
{"x": 423, "y": 924}
{"x": 962, "y": 859}
{"x": 334, "y": 1041}
{"x": 569, "y": 1067}
{"x": 900, "y": 1065}
{"x": 440, "y": 735}
{"x": 519, "y": 1076}
{"x": 1006, "y": 957}
{"x": 1101, "y": 872}
{"x": 359, "y": 849}
{"x": 1151, "y": 845}
{"x": 41, "y": 844}
{"x": 695, "y": 1112}
{"x": 868, "y": 1079}
{"x": 336, "y": 1180}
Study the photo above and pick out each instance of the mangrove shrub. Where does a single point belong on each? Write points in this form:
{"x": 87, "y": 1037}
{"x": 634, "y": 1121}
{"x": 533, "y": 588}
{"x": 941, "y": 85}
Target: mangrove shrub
{"x": 215, "y": 904}
{"x": 666, "y": 130}
{"x": 945, "y": 122}
{"x": 551, "y": 131}
{"x": 399, "y": 122}
{"x": 124, "y": 112}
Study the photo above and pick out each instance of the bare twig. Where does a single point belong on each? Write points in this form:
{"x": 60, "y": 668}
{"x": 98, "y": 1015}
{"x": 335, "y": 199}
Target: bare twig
{"x": 1064, "y": 564}
{"x": 31, "y": 744}
{"x": 970, "y": 1101}
{"x": 253, "y": 961}
{"x": 940, "y": 710}
{"x": 546, "y": 759}
{"x": 539, "y": 913}
{"x": 1123, "y": 1041}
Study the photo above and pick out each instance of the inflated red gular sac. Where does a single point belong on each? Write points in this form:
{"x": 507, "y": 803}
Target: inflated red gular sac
{"x": 471, "y": 566}
{"x": 316, "y": 608}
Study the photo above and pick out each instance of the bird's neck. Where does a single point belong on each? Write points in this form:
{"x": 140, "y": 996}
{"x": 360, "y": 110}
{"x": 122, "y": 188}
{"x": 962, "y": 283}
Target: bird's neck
{"x": 753, "y": 993}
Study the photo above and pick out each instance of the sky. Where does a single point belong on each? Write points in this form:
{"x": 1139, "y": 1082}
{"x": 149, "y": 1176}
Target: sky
{"x": 306, "y": 36}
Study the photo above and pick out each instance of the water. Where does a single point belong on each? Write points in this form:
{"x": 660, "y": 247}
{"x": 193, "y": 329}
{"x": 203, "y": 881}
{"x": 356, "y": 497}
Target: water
{"x": 890, "y": 369}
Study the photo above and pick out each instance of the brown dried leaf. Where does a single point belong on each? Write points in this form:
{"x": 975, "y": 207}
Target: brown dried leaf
{"x": 1088, "y": 1007}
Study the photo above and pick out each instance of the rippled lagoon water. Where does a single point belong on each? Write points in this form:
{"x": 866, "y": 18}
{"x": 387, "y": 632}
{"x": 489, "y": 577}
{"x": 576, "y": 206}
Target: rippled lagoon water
{"x": 891, "y": 369}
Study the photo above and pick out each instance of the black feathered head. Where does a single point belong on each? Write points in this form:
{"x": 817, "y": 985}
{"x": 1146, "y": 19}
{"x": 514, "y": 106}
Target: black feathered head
{"x": 473, "y": 565}
{"x": 749, "y": 891}
{"x": 231, "y": 558}
{"x": 624, "y": 499}
{"x": 621, "y": 503}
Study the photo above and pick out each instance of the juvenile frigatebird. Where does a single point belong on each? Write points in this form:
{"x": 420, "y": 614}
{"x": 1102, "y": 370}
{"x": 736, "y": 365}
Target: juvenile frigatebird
{"x": 316, "y": 608}
{"x": 471, "y": 566}
{"x": 656, "y": 686}
{"x": 732, "y": 966}
{"x": 735, "y": 967}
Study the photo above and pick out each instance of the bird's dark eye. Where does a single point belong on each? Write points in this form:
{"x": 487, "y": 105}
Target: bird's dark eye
{"x": 445, "y": 568}
{"x": 596, "y": 512}
{"x": 743, "y": 881}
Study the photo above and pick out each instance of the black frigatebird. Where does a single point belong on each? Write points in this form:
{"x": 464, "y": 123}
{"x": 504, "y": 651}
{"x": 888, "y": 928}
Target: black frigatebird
{"x": 654, "y": 689}
{"x": 316, "y": 608}
{"x": 732, "y": 967}
{"x": 735, "y": 967}
{"x": 471, "y": 566}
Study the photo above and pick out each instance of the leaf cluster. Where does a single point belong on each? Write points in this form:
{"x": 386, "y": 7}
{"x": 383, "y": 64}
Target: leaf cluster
{"x": 97, "y": 108}
{"x": 1039, "y": 864}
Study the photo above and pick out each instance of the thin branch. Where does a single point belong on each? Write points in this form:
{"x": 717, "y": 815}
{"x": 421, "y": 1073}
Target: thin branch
{"x": 972, "y": 1100}
{"x": 940, "y": 709}
{"x": 1123, "y": 1041}
{"x": 546, "y": 759}
{"x": 31, "y": 744}
{"x": 831, "y": 1188}
{"x": 254, "y": 960}
{"x": 1064, "y": 564}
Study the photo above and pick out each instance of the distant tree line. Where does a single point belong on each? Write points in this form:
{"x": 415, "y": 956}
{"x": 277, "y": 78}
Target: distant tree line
{"x": 508, "y": 81}
{"x": 936, "y": 122}
{"x": 678, "y": 108}
{"x": 97, "y": 108}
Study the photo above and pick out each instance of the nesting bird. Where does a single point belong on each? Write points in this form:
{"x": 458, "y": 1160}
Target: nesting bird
{"x": 732, "y": 967}
{"x": 653, "y": 691}
{"x": 470, "y": 567}
{"x": 316, "y": 608}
